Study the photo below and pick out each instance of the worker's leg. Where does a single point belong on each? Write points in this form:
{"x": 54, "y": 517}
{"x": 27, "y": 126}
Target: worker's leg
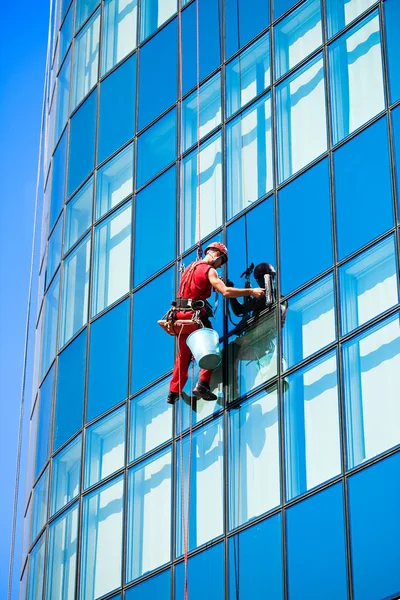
{"x": 205, "y": 375}
{"x": 181, "y": 367}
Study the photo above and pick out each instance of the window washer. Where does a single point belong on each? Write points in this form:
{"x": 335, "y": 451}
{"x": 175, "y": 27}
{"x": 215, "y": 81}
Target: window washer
{"x": 197, "y": 282}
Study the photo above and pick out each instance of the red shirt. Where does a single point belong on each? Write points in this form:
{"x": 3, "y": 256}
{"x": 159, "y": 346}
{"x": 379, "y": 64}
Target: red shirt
{"x": 195, "y": 283}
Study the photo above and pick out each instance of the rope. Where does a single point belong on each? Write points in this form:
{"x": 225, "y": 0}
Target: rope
{"x": 198, "y": 216}
{"x": 28, "y": 315}
{"x": 181, "y": 190}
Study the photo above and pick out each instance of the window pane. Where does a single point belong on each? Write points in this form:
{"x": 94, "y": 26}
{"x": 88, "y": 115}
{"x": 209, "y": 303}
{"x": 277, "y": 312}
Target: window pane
{"x": 252, "y": 356}
{"x": 368, "y": 285}
{"x": 255, "y": 562}
{"x": 156, "y": 148}
{"x": 105, "y": 447}
{"x": 155, "y": 226}
{"x": 66, "y": 33}
{"x": 82, "y": 143}
{"x": 158, "y": 62}
{"x": 248, "y": 75}
{"x": 54, "y": 250}
{"x": 156, "y": 587}
{"x": 152, "y": 300}
{"x": 205, "y": 576}
{"x": 301, "y": 118}
{"x": 83, "y": 9}
{"x": 242, "y": 24}
{"x": 210, "y": 190}
{"x": 86, "y": 60}
{"x": 312, "y": 446}
{"x": 119, "y": 31}
{"x": 102, "y": 540}
{"x": 396, "y": 150}
{"x": 114, "y": 181}
{"x": 150, "y": 420}
{"x": 70, "y": 384}
{"x": 254, "y": 458}
{"x": 310, "y": 322}
{"x": 44, "y": 422}
{"x": 206, "y": 108}
{"x": 371, "y": 362}
{"x": 61, "y": 562}
{"x": 58, "y": 180}
{"x": 112, "y": 258}
{"x": 249, "y": 161}
{"x": 75, "y": 291}
{"x": 78, "y": 215}
{"x": 392, "y": 27}
{"x": 40, "y": 502}
{"x": 63, "y": 85}
{"x": 66, "y": 474}
{"x": 356, "y": 78}
{"x": 117, "y": 109}
{"x": 36, "y": 570}
{"x": 375, "y": 492}
{"x": 358, "y": 220}
{"x": 149, "y": 515}
{"x": 153, "y": 14}
{"x": 342, "y": 12}
{"x": 316, "y": 552}
{"x": 297, "y": 36}
{"x": 305, "y": 225}
{"x": 206, "y": 477}
{"x": 49, "y": 341}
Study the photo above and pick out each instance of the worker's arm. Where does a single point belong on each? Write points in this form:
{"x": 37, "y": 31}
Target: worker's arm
{"x": 232, "y": 292}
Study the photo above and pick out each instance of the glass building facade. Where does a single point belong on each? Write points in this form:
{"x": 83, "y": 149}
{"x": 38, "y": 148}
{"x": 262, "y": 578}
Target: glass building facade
{"x": 293, "y": 138}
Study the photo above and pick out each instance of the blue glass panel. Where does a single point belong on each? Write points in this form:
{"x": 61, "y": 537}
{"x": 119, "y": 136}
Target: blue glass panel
{"x": 49, "y": 341}
{"x": 297, "y": 36}
{"x": 112, "y": 259}
{"x": 78, "y": 215}
{"x": 114, "y": 181}
{"x": 155, "y": 226}
{"x": 54, "y": 250}
{"x": 105, "y": 447}
{"x": 301, "y": 118}
{"x": 358, "y": 220}
{"x": 201, "y": 111}
{"x": 108, "y": 362}
{"x": 66, "y": 33}
{"x": 84, "y": 9}
{"x": 70, "y": 384}
{"x": 150, "y": 420}
{"x": 148, "y": 339}
{"x": 281, "y": 6}
{"x": 66, "y": 475}
{"x": 210, "y": 180}
{"x": 101, "y": 551}
{"x": 157, "y": 587}
{"x": 371, "y": 364}
{"x": 156, "y": 148}
{"x": 254, "y": 471}
{"x": 342, "y": 12}
{"x": 44, "y": 421}
{"x": 63, "y": 85}
{"x": 396, "y": 143}
{"x": 311, "y": 410}
{"x": 40, "y": 503}
{"x": 82, "y": 143}
{"x": 58, "y": 180}
{"x": 375, "y": 530}
{"x": 86, "y": 59}
{"x": 368, "y": 285}
{"x": 392, "y": 28}
{"x": 36, "y": 570}
{"x": 206, "y": 477}
{"x": 242, "y": 24}
{"x": 205, "y": 576}
{"x": 208, "y": 29}
{"x": 356, "y": 77}
{"x": 158, "y": 63}
{"x": 310, "y": 321}
{"x": 64, "y": 5}
{"x": 316, "y": 547}
{"x": 255, "y": 562}
{"x": 248, "y": 75}
{"x": 117, "y": 109}
{"x": 249, "y": 160}
{"x": 153, "y": 13}
{"x": 119, "y": 31}
{"x": 61, "y": 569}
{"x": 149, "y": 515}
{"x": 75, "y": 293}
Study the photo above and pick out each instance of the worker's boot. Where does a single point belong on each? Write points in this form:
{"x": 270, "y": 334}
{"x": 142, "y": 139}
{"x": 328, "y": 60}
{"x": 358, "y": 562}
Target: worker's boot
{"x": 202, "y": 390}
{"x": 172, "y": 397}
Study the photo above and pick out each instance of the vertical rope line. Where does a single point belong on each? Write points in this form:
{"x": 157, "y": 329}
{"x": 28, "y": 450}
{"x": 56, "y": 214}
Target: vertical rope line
{"x": 28, "y": 315}
{"x": 198, "y": 130}
{"x": 180, "y": 164}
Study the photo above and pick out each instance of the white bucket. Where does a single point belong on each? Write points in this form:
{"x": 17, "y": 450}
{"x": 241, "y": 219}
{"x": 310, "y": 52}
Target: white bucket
{"x": 204, "y": 345}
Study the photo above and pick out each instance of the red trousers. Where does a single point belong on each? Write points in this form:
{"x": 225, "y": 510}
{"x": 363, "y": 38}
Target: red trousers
{"x": 181, "y": 368}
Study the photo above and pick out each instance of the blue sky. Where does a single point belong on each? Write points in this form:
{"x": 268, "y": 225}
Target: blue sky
{"x": 23, "y": 43}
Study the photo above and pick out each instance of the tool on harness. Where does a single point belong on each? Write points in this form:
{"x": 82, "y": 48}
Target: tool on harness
{"x": 174, "y": 326}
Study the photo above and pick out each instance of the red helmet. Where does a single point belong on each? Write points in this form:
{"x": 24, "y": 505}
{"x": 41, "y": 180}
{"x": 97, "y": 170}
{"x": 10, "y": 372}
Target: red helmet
{"x": 218, "y": 246}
